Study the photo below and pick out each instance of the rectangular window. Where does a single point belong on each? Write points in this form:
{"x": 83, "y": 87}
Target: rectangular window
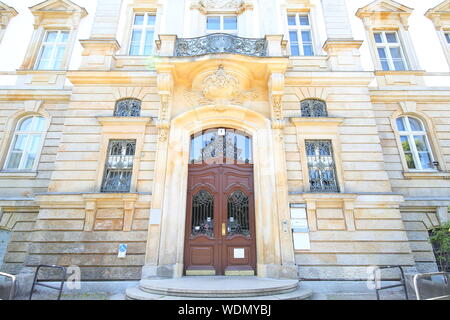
{"x": 390, "y": 51}
{"x": 222, "y": 24}
{"x": 142, "y": 34}
{"x": 321, "y": 167}
{"x": 52, "y": 50}
{"x": 300, "y": 34}
{"x": 119, "y": 166}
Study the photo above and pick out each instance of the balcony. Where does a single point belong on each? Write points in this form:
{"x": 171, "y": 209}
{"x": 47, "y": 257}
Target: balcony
{"x": 220, "y": 43}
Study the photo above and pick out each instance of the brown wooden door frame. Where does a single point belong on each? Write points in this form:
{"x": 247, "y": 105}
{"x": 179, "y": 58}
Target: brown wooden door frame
{"x": 220, "y": 181}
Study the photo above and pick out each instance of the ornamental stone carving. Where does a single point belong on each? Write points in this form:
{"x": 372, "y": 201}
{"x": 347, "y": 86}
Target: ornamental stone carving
{"x": 220, "y": 88}
{"x": 220, "y": 85}
{"x": 229, "y": 6}
{"x": 221, "y": 4}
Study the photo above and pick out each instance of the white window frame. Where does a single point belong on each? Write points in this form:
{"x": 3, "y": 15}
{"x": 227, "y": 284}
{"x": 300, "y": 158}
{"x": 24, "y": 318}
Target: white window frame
{"x": 25, "y": 153}
{"x": 221, "y": 29}
{"x": 387, "y": 46}
{"x": 54, "y": 45}
{"x": 143, "y": 28}
{"x": 298, "y": 28}
{"x": 409, "y": 133}
{"x": 447, "y": 38}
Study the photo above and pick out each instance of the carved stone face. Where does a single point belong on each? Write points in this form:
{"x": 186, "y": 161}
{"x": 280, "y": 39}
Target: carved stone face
{"x": 220, "y": 85}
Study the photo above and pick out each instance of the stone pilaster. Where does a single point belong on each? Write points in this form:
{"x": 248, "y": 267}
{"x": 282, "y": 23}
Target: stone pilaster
{"x": 443, "y": 214}
{"x": 106, "y": 19}
{"x": 337, "y": 22}
{"x": 282, "y": 217}
{"x": 100, "y": 49}
{"x": 165, "y": 84}
{"x": 343, "y": 51}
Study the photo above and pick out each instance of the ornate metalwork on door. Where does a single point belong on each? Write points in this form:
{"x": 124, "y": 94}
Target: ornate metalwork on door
{"x": 202, "y": 214}
{"x": 314, "y": 108}
{"x": 220, "y": 146}
{"x": 119, "y": 166}
{"x": 237, "y": 218}
{"x": 321, "y": 167}
{"x": 220, "y": 43}
{"x": 220, "y": 219}
{"x": 128, "y": 108}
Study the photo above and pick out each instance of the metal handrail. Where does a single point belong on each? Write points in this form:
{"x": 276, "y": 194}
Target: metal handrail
{"x": 426, "y": 275}
{"x": 12, "y": 291}
{"x": 401, "y": 284}
{"x": 220, "y": 43}
{"x": 36, "y": 282}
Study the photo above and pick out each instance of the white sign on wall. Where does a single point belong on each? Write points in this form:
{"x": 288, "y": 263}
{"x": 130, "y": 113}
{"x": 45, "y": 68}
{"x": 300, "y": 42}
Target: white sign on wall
{"x": 122, "y": 250}
{"x": 239, "y": 253}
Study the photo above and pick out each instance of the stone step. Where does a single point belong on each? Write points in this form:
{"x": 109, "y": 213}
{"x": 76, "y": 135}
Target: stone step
{"x": 299, "y": 294}
{"x": 215, "y": 287}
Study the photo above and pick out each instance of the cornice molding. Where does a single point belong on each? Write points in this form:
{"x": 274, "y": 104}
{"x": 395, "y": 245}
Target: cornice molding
{"x": 440, "y": 15}
{"x": 383, "y": 12}
{"x": 52, "y": 10}
{"x": 6, "y": 14}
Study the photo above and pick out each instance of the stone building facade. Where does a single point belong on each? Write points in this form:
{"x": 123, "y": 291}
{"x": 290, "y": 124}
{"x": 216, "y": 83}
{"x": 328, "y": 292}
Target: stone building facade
{"x": 223, "y": 137}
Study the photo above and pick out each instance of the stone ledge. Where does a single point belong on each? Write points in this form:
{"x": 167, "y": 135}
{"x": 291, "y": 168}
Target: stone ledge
{"x": 426, "y": 175}
{"x": 18, "y": 174}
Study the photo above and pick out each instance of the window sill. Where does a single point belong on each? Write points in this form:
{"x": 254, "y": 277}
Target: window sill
{"x": 316, "y": 121}
{"x": 319, "y": 57}
{"x": 404, "y": 72}
{"x": 119, "y": 121}
{"x": 426, "y": 175}
{"x": 18, "y": 174}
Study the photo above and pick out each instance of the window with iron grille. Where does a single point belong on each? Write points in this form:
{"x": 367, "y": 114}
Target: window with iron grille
{"x": 119, "y": 166}
{"x": 128, "y": 108}
{"x": 321, "y": 167}
{"x": 314, "y": 108}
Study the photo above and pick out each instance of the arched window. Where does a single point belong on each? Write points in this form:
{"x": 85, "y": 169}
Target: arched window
{"x": 221, "y": 145}
{"x": 128, "y": 108}
{"x": 26, "y": 145}
{"x": 415, "y": 143}
{"x": 314, "y": 108}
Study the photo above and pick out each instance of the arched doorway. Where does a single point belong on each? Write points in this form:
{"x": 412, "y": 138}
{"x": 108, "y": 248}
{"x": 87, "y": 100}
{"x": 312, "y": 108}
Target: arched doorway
{"x": 220, "y": 219}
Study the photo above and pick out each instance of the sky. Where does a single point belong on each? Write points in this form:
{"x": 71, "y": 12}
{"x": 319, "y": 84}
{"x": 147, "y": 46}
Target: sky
{"x": 423, "y": 34}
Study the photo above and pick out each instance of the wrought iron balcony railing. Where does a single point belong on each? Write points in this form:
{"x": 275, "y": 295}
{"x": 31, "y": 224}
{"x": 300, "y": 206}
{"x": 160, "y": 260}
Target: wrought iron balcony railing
{"x": 220, "y": 43}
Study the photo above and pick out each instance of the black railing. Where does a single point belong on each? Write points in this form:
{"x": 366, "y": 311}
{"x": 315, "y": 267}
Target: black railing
{"x": 220, "y": 43}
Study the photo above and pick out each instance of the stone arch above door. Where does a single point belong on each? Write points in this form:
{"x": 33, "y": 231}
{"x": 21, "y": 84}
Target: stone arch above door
{"x": 272, "y": 261}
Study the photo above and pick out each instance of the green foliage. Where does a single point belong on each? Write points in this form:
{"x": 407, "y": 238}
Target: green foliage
{"x": 440, "y": 239}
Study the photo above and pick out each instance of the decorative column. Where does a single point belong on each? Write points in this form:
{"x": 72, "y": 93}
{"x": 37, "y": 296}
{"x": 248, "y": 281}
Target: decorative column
{"x": 165, "y": 84}
{"x": 281, "y": 215}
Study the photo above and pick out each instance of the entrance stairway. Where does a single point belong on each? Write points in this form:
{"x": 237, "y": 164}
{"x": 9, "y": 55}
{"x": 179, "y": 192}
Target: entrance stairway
{"x": 218, "y": 288}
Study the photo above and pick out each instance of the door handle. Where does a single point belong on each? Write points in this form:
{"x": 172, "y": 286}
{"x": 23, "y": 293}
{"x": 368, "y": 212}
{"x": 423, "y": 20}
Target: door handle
{"x": 224, "y": 229}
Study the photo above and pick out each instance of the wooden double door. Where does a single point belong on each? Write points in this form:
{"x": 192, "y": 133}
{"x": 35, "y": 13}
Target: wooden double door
{"x": 220, "y": 220}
